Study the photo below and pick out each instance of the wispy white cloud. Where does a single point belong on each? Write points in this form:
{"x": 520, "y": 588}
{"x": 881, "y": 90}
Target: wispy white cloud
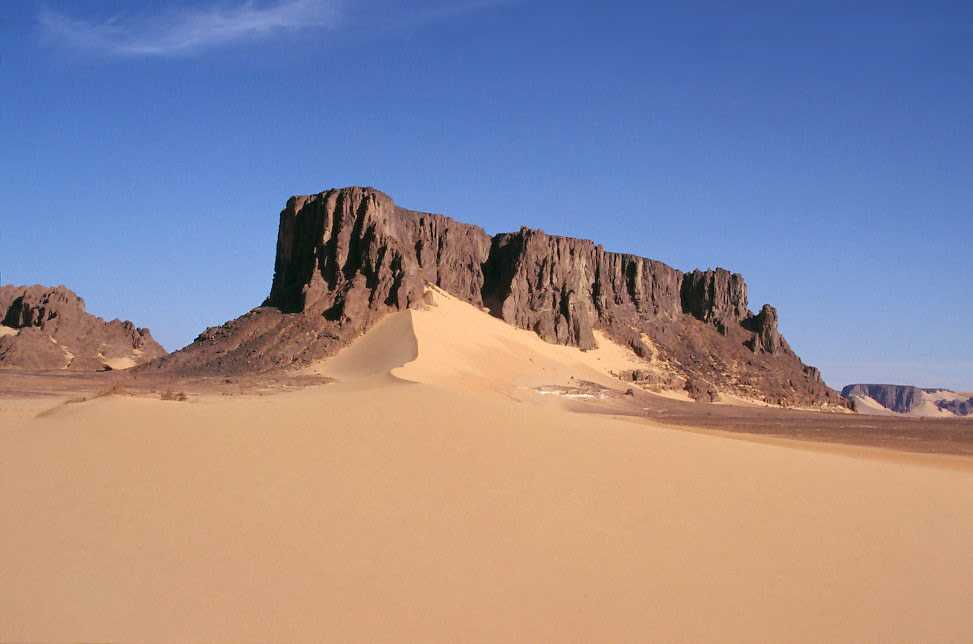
{"x": 192, "y": 30}
{"x": 189, "y": 30}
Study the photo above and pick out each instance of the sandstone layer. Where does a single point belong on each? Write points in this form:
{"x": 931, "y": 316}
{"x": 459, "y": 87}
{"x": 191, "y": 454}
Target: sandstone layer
{"x": 347, "y": 257}
{"x": 49, "y": 328}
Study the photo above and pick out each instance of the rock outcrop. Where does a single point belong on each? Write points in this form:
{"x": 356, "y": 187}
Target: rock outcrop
{"x": 767, "y": 337}
{"x": 957, "y": 406}
{"x": 898, "y": 398}
{"x": 48, "y": 328}
{"x": 718, "y": 297}
{"x": 908, "y": 400}
{"x": 346, "y": 257}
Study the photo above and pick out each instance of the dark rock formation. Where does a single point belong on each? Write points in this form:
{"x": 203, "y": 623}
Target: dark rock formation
{"x": 545, "y": 284}
{"x": 349, "y": 253}
{"x": 651, "y": 380}
{"x": 347, "y": 257}
{"x": 957, "y": 406}
{"x": 701, "y": 391}
{"x": 898, "y": 398}
{"x": 903, "y": 399}
{"x": 48, "y": 328}
{"x": 767, "y": 337}
{"x": 717, "y": 296}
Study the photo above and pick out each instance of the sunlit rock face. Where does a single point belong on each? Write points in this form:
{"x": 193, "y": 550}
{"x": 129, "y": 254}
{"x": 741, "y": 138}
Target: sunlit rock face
{"x": 347, "y": 257}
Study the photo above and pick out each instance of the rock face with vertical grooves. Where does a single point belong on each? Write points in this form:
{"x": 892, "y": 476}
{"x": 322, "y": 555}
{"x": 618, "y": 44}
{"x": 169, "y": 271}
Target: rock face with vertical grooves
{"x": 898, "y": 398}
{"x": 909, "y": 400}
{"x": 346, "y": 257}
{"x": 718, "y": 297}
{"x": 48, "y": 328}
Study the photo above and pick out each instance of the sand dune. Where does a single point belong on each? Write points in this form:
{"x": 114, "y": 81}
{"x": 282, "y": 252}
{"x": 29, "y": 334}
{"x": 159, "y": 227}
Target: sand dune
{"x": 390, "y": 344}
{"x": 866, "y": 405}
{"x": 928, "y": 409}
{"x": 461, "y": 347}
{"x": 441, "y": 504}
{"x": 119, "y": 364}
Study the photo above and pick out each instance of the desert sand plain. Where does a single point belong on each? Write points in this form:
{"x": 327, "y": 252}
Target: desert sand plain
{"x": 449, "y": 478}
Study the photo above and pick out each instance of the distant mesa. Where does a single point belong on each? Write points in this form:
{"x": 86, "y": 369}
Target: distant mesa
{"x": 347, "y": 257}
{"x": 908, "y": 400}
{"x": 48, "y": 328}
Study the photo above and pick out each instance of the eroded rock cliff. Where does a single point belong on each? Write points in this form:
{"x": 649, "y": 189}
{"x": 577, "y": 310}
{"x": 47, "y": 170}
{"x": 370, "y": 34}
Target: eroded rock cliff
{"x": 909, "y": 400}
{"x": 346, "y": 257}
{"x": 898, "y": 398}
{"x": 49, "y": 328}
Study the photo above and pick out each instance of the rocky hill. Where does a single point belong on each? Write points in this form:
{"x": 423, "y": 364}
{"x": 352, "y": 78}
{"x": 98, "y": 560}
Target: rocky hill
{"x": 908, "y": 400}
{"x": 346, "y": 257}
{"x": 48, "y": 328}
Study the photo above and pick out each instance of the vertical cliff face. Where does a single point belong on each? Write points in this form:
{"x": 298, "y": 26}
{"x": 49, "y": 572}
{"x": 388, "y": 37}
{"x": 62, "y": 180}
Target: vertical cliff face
{"x": 347, "y": 257}
{"x": 347, "y": 254}
{"x": 716, "y": 296}
{"x": 908, "y": 400}
{"x": 898, "y": 398}
{"x": 545, "y": 284}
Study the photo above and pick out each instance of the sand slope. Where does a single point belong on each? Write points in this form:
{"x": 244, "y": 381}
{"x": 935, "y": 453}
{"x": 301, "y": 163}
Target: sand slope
{"x": 389, "y": 344}
{"x": 463, "y": 348}
{"x": 452, "y": 344}
{"x": 441, "y": 510}
{"x": 867, "y": 405}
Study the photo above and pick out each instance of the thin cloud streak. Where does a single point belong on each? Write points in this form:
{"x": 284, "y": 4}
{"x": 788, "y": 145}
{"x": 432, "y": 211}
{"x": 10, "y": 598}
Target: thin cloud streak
{"x": 191, "y": 31}
{"x": 188, "y": 31}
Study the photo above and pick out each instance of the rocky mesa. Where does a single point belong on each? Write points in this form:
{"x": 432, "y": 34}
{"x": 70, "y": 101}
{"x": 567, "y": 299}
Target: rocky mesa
{"x": 346, "y": 257}
{"x": 49, "y": 328}
{"x": 908, "y": 400}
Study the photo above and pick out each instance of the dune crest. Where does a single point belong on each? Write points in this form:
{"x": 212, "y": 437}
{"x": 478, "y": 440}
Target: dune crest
{"x": 390, "y": 343}
{"x": 462, "y": 347}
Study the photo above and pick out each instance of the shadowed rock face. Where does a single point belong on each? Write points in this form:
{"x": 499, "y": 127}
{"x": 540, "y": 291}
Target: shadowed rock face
{"x": 718, "y": 297}
{"x": 564, "y": 288}
{"x": 347, "y": 254}
{"x": 347, "y": 257}
{"x": 898, "y": 398}
{"x": 903, "y": 399}
{"x": 767, "y": 337}
{"x": 48, "y": 328}
{"x": 957, "y": 407}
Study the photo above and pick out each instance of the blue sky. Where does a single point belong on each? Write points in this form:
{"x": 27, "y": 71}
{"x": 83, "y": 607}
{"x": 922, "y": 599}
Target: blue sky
{"x": 824, "y": 151}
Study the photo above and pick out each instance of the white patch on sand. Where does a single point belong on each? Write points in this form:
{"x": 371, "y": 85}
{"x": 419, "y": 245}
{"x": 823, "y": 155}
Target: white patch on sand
{"x": 570, "y": 394}
{"x": 6, "y": 330}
